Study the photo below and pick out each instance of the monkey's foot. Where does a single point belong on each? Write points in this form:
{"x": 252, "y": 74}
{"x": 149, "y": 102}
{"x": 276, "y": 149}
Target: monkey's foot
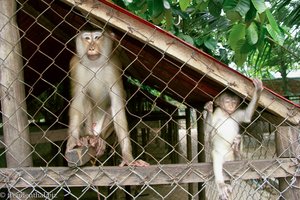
{"x": 99, "y": 144}
{"x": 135, "y": 163}
{"x": 95, "y": 142}
{"x": 225, "y": 191}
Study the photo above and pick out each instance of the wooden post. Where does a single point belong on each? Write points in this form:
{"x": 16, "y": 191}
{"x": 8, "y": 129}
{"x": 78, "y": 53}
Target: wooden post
{"x": 15, "y": 122}
{"x": 200, "y": 147}
{"x": 189, "y": 144}
{"x": 288, "y": 146}
{"x": 145, "y": 139}
{"x": 13, "y": 104}
{"x": 172, "y": 135}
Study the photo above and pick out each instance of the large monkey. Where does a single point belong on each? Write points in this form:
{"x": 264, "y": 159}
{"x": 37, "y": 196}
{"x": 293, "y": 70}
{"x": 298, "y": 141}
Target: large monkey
{"x": 98, "y": 96}
{"x": 222, "y": 126}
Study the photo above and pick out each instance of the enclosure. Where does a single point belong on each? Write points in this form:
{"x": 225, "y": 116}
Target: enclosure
{"x": 167, "y": 82}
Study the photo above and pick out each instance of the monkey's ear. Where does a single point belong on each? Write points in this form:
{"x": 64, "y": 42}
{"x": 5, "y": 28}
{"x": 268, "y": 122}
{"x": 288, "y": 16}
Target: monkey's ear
{"x": 218, "y": 100}
{"x": 111, "y": 34}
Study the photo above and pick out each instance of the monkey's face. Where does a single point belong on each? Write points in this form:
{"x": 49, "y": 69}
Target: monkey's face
{"x": 92, "y": 41}
{"x": 229, "y": 104}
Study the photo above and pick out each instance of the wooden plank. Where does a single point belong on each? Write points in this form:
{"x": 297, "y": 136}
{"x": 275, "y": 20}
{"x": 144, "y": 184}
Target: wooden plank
{"x": 152, "y": 175}
{"x": 185, "y": 53}
{"x": 50, "y": 135}
{"x": 44, "y": 136}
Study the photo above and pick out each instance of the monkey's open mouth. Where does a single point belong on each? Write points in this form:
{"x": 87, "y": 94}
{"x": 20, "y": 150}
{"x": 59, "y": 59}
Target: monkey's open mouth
{"x": 93, "y": 57}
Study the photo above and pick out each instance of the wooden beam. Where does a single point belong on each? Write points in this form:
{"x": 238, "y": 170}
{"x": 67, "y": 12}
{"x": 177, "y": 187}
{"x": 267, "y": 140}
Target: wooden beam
{"x": 47, "y": 136}
{"x": 152, "y": 175}
{"x": 185, "y": 53}
{"x": 39, "y": 137}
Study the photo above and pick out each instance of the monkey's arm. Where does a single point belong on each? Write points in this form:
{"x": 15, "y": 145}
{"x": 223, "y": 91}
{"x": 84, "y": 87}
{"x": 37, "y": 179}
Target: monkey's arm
{"x": 246, "y": 115}
{"x": 208, "y": 117}
{"x": 117, "y": 96}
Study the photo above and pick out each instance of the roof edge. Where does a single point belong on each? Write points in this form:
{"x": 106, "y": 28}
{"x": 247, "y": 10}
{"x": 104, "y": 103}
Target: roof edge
{"x": 186, "y": 53}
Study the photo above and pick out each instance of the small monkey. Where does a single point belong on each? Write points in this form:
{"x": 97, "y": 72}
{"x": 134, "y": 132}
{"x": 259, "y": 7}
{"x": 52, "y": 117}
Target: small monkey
{"x": 222, "y": 126}
{"x": 98, "y": 102}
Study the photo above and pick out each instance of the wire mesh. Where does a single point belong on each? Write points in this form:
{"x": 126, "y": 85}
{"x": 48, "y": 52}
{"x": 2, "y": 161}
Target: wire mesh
{"x": 164, "y": 106}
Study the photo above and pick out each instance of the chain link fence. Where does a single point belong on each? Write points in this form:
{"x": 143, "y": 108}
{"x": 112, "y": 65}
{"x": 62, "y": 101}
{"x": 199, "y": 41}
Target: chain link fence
{"x": 164, "y": 106}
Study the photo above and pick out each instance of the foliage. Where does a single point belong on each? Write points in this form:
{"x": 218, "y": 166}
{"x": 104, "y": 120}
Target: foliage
{"x": 244, "y": 31}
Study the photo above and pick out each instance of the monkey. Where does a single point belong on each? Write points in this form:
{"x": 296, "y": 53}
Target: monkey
{"x": 98, "y": 96}
{"x": 222, "y": 125}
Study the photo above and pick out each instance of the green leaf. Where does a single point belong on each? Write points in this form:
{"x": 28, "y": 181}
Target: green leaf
{"x": 210, "y": 43}
{"x": 251, "y": 34}
{"x": 215, "y": 8}
{"x": 202, "y": 5}
{"x": 244, "y": 47}
{"x": 259, "y": 5}
{"x": 229, "y": 4}
{"x": 241, "y": 6}
{"x": 251, "y": 14}
{"x": 233, "y": 16}
{"x": 199, "y": 41}
{"x": 241, "y": 52}
{"x": 158, "y": 19}
{"x": 137, "y": 5}
{"x": 156, "y": 7}
{"x": 261, "y": 40}
{"x": 273, "y": 28}
{"x": 237, "y": 33}
{"x": 184, "y": 4}
{"x": 186, "y": 38}
{"x": 272, "y": 20}
{"x": 169, "y": 19}
{"x": 240, "y": 59}
{"x": 277, "y": 36}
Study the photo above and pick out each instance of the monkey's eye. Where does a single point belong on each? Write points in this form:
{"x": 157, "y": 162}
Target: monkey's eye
{"x": 87, "y": 38}
{"x": 97, "y": 36}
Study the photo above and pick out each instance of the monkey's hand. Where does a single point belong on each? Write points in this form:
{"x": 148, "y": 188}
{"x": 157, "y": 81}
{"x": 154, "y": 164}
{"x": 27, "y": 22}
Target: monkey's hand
{"x": 92, "y": 141}
{"x": 258, "y": 84}
{"x": 135, "y": 163}
{"x": 83, "y": 141}
{"x": 224, "y": 191}
{"x": 209, "y": 106}
{"x": 236, "y": 147}
{"x": 236, "y": 144}
{"x": 99, "y": 144}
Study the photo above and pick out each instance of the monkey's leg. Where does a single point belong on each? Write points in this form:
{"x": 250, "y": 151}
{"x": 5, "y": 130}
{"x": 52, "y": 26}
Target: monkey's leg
{"x": 74, "y": 132}
{"x": 76, "y": 113}
{"x": 218, "y": 161}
